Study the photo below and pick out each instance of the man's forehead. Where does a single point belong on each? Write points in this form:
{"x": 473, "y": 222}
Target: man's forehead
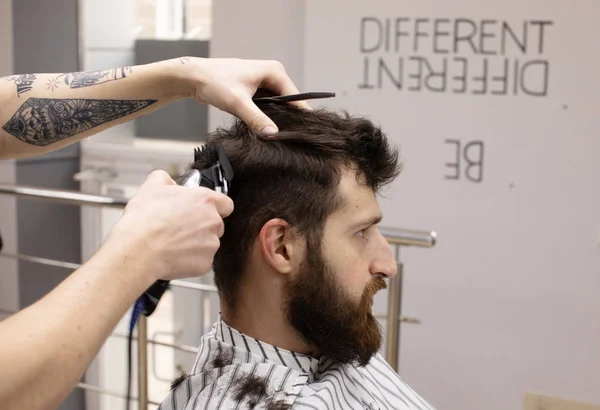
{"x": 358, "y": 200}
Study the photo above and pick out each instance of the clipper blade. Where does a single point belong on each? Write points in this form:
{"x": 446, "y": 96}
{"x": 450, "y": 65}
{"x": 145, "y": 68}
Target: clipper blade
{"x": 215, "y": 169}
{"x": 205, "y": 156}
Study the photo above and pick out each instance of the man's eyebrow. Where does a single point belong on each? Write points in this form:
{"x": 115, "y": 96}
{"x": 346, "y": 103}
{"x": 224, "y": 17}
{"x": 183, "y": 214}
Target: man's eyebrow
{"x": 366, "y": 222}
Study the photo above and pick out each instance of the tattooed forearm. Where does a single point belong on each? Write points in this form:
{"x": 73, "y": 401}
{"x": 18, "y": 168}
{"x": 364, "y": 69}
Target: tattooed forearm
{"x": 88, "y": 78}
{"x": 43, "y": 121}
{"x": 24, "y": 82}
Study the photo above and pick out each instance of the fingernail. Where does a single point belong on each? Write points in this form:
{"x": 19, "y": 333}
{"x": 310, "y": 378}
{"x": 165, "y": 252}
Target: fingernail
{"x": 269, "y": 130}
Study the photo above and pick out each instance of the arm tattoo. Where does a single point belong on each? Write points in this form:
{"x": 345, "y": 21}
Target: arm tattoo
{"x": 43, "y": 121}
{"x": 24, "y": 82}
{"x": 185, "y": 60}
{"x": 89, "y": 78}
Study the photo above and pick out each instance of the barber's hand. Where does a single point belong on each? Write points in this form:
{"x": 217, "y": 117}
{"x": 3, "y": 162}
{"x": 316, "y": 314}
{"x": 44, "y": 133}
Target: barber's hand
{"x": 230, "y": 84}
{"x": 171, "y": 228}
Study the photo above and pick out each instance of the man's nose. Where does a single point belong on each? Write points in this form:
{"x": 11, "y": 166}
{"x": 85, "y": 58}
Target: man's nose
{"x": 384, "y": 262}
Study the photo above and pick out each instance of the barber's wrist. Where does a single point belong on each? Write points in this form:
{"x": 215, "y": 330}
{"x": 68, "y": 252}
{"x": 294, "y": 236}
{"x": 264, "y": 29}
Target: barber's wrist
{"x": 172, "y": 78}
{"x": 130, "y": 255}
{"x": 188, "y": 74}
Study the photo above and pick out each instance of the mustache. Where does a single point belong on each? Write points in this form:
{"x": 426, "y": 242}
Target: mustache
{"x": 373, "y": 287}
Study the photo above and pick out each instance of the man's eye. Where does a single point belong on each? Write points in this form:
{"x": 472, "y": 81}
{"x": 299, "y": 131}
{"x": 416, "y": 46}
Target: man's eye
{"x": 362, "y": 233}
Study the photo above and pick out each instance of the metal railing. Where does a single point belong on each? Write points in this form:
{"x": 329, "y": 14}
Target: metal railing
{"x": 396, "y": 237}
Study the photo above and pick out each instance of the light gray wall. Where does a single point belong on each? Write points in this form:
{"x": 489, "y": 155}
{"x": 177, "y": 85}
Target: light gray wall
{"x": 259, "y": 29}
{"x": 509, "y": 296}
{"x": 45, "y": 39}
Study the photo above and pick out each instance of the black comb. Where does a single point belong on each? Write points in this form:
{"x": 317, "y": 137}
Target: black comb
{"x": 263, "y": 96}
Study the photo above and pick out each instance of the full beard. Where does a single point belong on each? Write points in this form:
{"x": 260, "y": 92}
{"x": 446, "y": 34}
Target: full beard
{"x": 323, "y": 315}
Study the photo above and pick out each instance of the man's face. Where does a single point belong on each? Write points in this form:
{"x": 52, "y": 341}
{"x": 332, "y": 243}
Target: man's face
{"x": 330, "y": 298}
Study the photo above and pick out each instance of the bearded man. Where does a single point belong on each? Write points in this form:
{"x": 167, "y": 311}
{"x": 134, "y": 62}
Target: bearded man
{"x": 299, "y": 263}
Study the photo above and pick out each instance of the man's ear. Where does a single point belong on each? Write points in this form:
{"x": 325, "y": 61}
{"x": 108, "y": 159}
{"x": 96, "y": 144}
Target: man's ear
{"x": 279, "y": 246}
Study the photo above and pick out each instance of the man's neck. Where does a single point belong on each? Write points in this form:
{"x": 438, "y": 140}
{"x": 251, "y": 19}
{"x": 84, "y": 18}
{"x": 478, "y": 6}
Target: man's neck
{"x": 261, "y": 316}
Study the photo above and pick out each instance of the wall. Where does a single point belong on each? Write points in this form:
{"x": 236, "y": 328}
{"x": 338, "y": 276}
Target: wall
{"x": 262, "y": 29}
{"x": 509, "y": 296}
{"x": 9, "y": 285}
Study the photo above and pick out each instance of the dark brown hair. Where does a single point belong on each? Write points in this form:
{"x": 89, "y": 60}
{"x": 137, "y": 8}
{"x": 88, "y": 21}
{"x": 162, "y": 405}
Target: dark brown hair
{"x": 293, "y": 176}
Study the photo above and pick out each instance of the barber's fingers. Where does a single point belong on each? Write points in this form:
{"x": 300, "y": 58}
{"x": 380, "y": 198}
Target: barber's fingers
{"x": 223, "y": 203}
{"x": 279, "y": 82}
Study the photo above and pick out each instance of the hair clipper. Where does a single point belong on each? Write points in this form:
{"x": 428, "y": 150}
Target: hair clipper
{"x": 217, "y": 176}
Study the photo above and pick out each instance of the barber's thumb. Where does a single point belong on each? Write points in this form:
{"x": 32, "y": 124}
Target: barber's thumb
{"x": 257, "y": 120}
{"x": 267, "y": 129}
{"x": 224, "y": 204}
{"x": 160, "y": 177}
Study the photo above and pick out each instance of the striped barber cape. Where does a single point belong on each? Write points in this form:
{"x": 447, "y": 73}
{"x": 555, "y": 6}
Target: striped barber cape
{"x": 235, "y": 371}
